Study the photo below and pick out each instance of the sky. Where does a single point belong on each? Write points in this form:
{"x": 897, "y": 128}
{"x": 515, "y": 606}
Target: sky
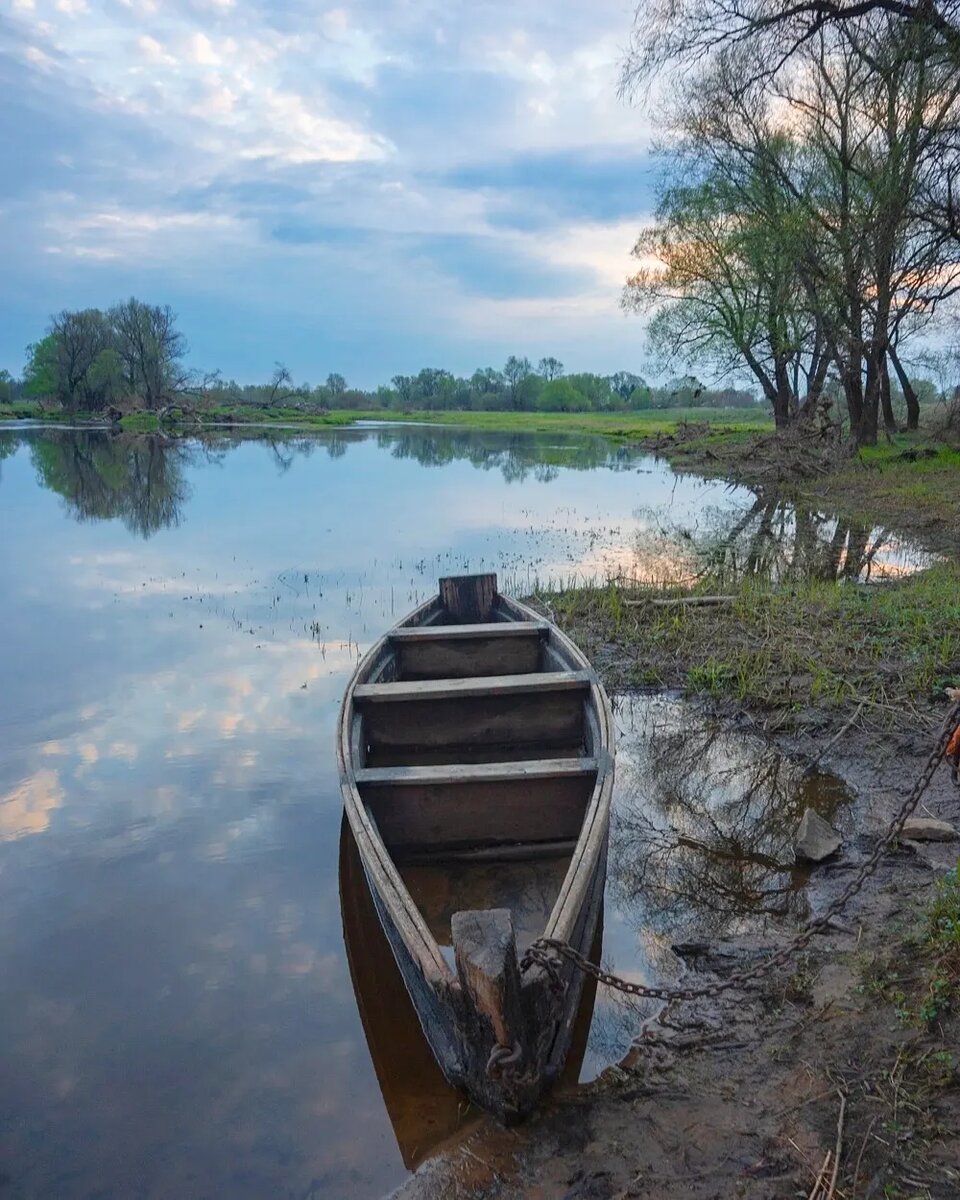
{"x": 368, "y": 187}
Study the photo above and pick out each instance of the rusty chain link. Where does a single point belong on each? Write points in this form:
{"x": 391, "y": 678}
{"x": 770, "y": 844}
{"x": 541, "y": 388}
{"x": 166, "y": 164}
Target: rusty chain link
{"x": 548, "y": 953}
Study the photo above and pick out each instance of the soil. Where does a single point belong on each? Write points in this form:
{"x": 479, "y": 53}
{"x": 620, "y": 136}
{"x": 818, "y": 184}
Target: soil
{"x": 741, "y": 1097}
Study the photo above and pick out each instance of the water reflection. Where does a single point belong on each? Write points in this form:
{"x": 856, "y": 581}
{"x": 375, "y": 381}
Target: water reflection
{"x": 701, "y": 846}
{"x": 142, "y": 479}
{"x": 704, "y": 820}
{"x": 517, "y": 456}
{"x": 772, "y": 540}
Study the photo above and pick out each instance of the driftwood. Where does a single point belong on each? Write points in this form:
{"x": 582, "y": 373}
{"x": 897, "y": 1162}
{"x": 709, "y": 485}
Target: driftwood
{"x": 696, "y": 601}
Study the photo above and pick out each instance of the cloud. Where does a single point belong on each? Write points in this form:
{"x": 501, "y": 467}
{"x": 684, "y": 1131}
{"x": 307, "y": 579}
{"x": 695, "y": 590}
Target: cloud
{"x": 535, "y": 189}
{"x": 482, "y": 267}
{"x": 432, "y": 165}
{"x": 26, "y": 808}
{"x": 153, "y": 52}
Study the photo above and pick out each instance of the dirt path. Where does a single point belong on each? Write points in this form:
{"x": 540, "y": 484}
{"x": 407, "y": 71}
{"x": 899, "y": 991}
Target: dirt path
{"x": 748, "y": 1104}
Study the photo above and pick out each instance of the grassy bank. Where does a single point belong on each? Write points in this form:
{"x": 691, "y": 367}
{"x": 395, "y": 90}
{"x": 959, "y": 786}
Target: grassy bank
{"x": 909, "y": 483}
{"x": 632, "y": 425}
{"x": 809, "y": 653}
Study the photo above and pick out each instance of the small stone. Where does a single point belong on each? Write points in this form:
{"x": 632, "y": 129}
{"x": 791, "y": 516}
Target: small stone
{"x": 927, "y": 829}
{"x": 815, "y": 840}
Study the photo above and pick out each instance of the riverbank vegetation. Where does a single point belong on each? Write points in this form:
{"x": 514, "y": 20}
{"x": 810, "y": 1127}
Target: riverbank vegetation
{"x": 808, "y": 652}
{"x": 807, "y": 230}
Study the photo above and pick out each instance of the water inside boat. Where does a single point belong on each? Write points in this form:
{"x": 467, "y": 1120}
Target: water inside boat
{"x": 529, "y": 889}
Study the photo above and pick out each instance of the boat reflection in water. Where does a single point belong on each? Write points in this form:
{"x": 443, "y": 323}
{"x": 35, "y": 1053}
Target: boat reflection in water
{"x": 423, "y": 1109}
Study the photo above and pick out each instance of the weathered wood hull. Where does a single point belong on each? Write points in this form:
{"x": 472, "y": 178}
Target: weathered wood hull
{"x": 423, "y": 1109}
{"x": 478, "y": 771}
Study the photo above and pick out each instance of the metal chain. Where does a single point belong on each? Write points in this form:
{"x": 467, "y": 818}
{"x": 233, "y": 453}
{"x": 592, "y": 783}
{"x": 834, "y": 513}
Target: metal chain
{"x": 548, "y": 953}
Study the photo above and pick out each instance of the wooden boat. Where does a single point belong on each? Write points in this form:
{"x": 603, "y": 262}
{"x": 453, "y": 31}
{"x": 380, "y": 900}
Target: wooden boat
{"x": 475, "y": 736}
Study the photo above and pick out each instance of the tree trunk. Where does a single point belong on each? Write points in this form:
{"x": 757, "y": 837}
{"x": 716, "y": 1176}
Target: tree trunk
{"x": 853, "y": 388}
{"x": 818, "y": 377}
{"x": 781, "y": 403}
{"x": 886, "y": 402}
{"x": 909, "y": 395}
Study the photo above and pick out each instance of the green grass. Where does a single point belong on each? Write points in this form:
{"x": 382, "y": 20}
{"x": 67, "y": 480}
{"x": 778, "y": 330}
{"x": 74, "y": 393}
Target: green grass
{"x": 809, "y": 645}
{"x": 941, "y": 950}
{"x": 735, "y": 422}
{"x": 921, "y": 979}
{"x": 621, "y": 425}
{"x": 912, "y": 478}
{"x": 29, "y": 410}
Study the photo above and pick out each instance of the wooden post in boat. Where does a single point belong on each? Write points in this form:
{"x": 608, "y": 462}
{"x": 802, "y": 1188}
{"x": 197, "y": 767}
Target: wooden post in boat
{"x": 486, "y": 955}
{"x": 469, "y": 598}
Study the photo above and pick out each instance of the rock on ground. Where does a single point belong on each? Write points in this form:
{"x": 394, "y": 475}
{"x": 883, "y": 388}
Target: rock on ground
{"x": 815, "y": 840}
{"x": 928, "y": 829}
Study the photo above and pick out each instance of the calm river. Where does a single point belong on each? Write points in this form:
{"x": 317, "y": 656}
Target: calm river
{"x": 179, "y": 620}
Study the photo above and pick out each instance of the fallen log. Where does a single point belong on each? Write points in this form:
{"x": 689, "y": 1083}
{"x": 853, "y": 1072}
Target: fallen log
{"x": 664, "y": 602}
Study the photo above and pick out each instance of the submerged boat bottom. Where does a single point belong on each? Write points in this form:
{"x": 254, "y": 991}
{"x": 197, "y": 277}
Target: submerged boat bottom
{"x": 529, "y": 889}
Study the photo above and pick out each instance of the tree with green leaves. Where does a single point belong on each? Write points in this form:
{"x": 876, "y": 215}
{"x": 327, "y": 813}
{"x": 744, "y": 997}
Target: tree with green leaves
{"x": 41, "y": 375}
{"x": 516, "y": 372}
{"x": 718, "y": 271}
{"x": 86, "y": 360}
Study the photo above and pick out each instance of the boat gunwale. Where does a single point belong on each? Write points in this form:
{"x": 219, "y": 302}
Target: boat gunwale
{"x": 596, "y": 819}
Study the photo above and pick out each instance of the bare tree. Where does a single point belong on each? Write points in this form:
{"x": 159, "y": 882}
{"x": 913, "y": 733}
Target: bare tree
{"x": 151, "y": 349}
{"x": 684, "y": 35}
{"x": 515, "y": 371}
{"x": 550, "y": 368}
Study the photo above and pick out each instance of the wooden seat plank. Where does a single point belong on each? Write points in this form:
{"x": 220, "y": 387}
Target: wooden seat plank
{"x": 468, "y": 806}
{"x": 484, "y": 629}
{"x": 473, "y": 687}
{"x": 491, "y": 772}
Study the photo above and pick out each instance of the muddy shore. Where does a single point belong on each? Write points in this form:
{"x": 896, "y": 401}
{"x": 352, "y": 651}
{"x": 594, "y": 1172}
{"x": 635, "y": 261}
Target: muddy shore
{"x": 742, "y": 1096}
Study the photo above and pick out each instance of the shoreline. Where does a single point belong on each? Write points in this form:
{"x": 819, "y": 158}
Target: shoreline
{"x": 909, "y": 483}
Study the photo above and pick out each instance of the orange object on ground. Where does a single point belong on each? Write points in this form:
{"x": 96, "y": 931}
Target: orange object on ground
{"x": 953, "y": 746}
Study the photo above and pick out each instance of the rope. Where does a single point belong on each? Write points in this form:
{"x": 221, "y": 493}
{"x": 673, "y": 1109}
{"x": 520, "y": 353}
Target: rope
{"x": 549, "y": 953}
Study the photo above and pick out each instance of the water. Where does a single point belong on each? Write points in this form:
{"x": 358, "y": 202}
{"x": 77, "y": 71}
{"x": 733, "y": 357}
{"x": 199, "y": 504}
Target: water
{"x": 179, "y": 620}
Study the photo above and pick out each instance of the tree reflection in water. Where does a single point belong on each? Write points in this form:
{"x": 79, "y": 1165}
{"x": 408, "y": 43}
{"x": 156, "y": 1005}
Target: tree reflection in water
{"x": 516, "y": 456}
{"x": 136, "y": 477}
{"x": 140, "y": 478}
{"x": 704, "y": 820}
{"x": 701, "y": 842}
{"x": 774, "y": 541}
{"x": 8, "y": 445}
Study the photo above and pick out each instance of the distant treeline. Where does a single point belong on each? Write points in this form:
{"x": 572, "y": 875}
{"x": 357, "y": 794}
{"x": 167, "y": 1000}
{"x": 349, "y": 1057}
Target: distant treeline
{"x": 132, "y": 357}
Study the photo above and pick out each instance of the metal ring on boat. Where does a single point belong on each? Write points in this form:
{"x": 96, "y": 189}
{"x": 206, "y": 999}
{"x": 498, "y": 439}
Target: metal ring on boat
{"x": 503, "y": 1056}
